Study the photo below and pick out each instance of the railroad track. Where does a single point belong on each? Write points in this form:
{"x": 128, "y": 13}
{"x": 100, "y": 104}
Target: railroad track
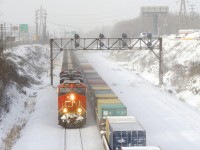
{"x": 73, "y": 139}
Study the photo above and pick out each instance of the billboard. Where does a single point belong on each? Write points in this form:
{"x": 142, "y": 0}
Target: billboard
{"x": 154, "y": 10}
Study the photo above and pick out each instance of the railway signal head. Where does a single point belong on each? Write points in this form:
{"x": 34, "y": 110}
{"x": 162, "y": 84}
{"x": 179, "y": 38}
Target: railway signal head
{"x": 124, "y": 36}
{"x": 149, "y": 35}
{"x": 76, "y": 36}
{"x": 101, "y": 36}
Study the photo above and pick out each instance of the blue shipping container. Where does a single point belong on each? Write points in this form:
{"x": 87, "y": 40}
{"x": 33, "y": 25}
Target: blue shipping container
{"x": 126, "y": 135}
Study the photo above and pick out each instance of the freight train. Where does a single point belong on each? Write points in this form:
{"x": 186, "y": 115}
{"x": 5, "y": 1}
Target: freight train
{"x": 119, "y": 130}
{"x": 71, "y": 100}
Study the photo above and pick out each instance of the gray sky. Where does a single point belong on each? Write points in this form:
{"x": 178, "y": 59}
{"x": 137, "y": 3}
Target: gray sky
{"x": 84, "y": 14}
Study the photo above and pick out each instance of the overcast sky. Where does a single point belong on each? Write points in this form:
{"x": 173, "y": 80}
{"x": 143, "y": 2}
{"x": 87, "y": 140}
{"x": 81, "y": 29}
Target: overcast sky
{"x": 83, "y": 14}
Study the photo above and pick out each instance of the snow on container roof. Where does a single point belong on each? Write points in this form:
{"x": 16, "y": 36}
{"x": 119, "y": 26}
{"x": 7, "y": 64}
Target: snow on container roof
{"x": 121, "y": 119}
{"x": 141, "y": 148}
{"x": 130, "y": 126}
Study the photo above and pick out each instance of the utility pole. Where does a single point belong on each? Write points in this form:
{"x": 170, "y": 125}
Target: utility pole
{"x": 192, "y": 15}
{"x": 11, "y": 35}
{"x": 45, "y": 25}
{"x": 183, "y": 22}
{"x": 192, "y": 11}
{"x": 2, "y": 39}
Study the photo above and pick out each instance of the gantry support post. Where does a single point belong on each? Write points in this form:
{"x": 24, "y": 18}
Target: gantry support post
{"x": 51, "y": 60}
{"x": 160, "y": 62}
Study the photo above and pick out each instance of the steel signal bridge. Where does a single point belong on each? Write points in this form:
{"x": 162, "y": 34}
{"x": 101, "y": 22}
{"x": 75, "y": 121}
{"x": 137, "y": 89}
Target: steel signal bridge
{"x": 153, "y": 44}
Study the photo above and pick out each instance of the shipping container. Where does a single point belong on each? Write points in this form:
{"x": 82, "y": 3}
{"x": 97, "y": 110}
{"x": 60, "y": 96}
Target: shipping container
{"x": 98, "y": 84}
{"x": 101, "y": 94}
{"x": 92, "y": 76}
{"x": 84, "y": 68}
{"x": 105, "y": 96}
{"x": 141, "y": 148}
{"x": 118, "y": 119}
{"x": 99, "y": 87}
{"x": 123, "y": 131}
{"x": 85, "y": 64}
{"x": 102, "y": 111}
{"x": 111, "y": 109}
{"x": 107, "y": 101}
{"x": 90, "y": 71}
{"x": 96, "y": 92}
{"x": 104, "y": 101}
{"x": 96, "y": 81}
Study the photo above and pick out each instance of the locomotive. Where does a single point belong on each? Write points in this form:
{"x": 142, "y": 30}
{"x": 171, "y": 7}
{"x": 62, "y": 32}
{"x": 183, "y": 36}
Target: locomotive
{"x": 71, "y": 99}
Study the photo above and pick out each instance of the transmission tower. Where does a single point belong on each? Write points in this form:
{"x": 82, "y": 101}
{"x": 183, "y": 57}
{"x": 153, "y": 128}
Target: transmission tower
{"x": 41, "y": 16}
{"x": 183, "y": 22}
{"x": 36, "y": 22}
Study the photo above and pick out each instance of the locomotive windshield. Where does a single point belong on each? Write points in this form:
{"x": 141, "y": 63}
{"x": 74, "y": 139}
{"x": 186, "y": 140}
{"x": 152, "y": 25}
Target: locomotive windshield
{"x": 64, "y": 90}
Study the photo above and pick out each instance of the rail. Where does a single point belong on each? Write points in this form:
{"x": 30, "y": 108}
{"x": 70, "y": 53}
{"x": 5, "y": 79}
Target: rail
{"x": 67, "y": 145}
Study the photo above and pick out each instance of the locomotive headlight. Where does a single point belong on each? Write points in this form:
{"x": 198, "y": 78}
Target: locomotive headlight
{"x": 64, "y": 110}
{"x": 79, "y": 110}
{"x": 72, "y": 97}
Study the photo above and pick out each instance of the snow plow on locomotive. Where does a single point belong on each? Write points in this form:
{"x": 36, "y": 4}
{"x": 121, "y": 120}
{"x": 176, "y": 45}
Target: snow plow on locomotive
{"x": 71, "y": 100}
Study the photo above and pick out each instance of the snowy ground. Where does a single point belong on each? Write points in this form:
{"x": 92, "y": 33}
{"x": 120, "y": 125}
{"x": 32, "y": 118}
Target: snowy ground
{"x": 169, "y": 122}
{"x": 22, "y": 101}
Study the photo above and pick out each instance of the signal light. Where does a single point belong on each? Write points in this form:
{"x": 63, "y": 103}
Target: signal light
{"x": 124, "y": 36}
{"x": 101, "y": 36}
{"x": 76, "y": 36}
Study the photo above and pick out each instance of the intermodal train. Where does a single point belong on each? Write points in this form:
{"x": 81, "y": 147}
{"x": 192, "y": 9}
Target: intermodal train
{"x": 71, "y": 99}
